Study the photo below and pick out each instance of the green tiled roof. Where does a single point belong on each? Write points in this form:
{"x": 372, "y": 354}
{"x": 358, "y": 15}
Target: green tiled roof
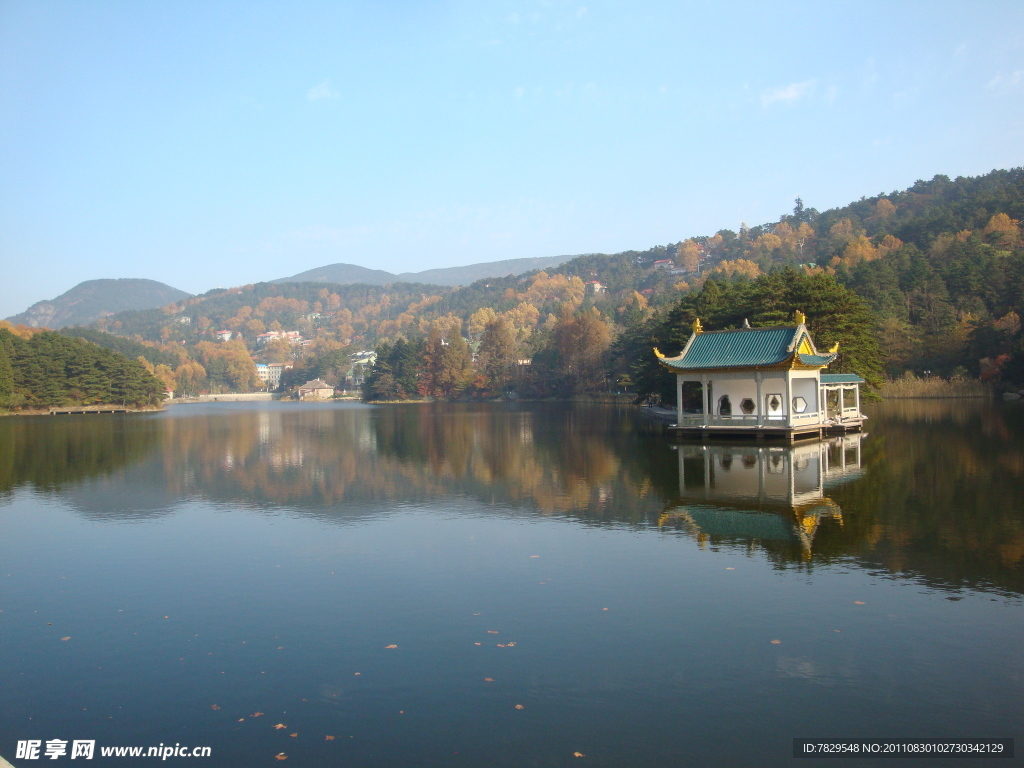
{"x": 743, "y": 348}
{"x": 817, "y": 359}
{"x": 841, "y": 378}
{"x": 742, "y": 525}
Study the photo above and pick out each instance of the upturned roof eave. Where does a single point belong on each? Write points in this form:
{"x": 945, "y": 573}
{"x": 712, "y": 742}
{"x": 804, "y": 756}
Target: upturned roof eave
{"x": 792, "y": 362}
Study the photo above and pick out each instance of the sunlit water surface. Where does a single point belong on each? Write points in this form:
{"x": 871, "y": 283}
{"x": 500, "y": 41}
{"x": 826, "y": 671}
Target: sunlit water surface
{"x": 505, "y": 585}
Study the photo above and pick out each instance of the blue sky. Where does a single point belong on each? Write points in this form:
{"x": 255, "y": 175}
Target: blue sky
{"x": 209, "y": 144}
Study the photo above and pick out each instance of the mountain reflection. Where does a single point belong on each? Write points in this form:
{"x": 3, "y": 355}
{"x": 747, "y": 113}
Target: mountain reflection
{"x": 933, "y": 493}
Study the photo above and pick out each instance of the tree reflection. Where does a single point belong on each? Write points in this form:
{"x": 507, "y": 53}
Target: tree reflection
{"x": 933, "y": 493}
{"x": 49, "y": 453}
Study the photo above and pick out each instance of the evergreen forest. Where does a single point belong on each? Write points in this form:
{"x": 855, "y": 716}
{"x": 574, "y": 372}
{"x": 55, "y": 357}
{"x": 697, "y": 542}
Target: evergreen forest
{"x": 47, "y": 369}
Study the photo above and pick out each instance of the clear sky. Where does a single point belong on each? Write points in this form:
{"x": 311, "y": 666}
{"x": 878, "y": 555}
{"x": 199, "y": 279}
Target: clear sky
{"x": 207, "y": 144}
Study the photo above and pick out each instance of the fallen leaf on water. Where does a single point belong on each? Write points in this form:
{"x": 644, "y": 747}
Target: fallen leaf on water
{"x": 476, "y": 614}
{"x": 835, "y": 630}
{"x": 510, "y": 645}
{"x": 279, "y": 726}
{"x": 488, "y": 679}
{"x": 328, "y": 738}
{"x": 241, "y": 719}
{"x": 66, "y": 638}
{"x": 730, "y": 569}
{"x": 280, "y": 756}
{"x": 390, "y": 646}
{"x": 604, "y": 609}
{"x": 534, "y": 555}
{"x": 578, "y": 754}
{"x": 214, "y": 706}
{"x": 776, "y": 642}
{"x": 858, "y": 602}
{"x": 492, "y": 631}
{"x": 256, "y": 714}
{"x": 476, "y": 643}
{"x": 500, "y": 645}
{"x": 520, "y": 706}
{"x": 357, "y": 673}
{"x": 293, "y": 735}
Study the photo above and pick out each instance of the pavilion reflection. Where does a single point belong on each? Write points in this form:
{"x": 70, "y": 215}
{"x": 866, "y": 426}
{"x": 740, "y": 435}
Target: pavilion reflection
{"x": 762, "y": 493}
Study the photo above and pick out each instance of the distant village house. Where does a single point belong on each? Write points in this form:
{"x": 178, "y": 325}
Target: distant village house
{"x": 317, "y": 389}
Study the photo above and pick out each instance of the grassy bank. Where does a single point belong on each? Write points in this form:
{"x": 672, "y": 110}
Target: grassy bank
{"x": 910, "y": 385}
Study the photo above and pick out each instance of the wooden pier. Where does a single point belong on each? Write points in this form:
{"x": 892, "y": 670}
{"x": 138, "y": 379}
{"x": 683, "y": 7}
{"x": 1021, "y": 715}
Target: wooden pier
{"x": 87, "y": 409}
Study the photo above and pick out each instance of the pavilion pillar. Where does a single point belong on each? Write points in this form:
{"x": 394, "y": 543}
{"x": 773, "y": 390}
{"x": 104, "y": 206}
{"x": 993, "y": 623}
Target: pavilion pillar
{"x": 760, "y": 399}
{"x": 789, "y": 398}
{"x": 705, "y": 398}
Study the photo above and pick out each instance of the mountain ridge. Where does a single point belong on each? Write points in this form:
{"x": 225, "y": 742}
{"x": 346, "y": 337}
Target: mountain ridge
{"x": 92, "y": 299}
{"x": 348, "y": 274}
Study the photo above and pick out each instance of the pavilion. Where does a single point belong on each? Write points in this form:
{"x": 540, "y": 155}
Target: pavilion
{"x": 761, "y": 382}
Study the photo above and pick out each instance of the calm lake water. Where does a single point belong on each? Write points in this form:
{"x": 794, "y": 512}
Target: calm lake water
{"x": 506, "y": 585}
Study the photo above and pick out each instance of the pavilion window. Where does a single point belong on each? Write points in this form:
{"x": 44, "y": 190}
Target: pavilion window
{"x": 693, "y": 397}
{"x": 724, "y": 406}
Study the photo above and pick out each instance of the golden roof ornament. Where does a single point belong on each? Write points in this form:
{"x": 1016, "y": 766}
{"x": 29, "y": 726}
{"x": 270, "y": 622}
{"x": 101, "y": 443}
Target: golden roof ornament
{"x": 801, "y": 318}
{"x": 835, "y": 348}
{"x": 696, "y": 326}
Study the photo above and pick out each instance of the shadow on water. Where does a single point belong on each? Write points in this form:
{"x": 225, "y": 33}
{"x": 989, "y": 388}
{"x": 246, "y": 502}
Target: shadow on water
{"x": 932, "y": 493}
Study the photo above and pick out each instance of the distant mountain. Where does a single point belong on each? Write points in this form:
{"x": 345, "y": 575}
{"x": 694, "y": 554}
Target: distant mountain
{"x": 342, "y": 274}
{"x": 346, "y": 274}
{"x": 94, "y": 299}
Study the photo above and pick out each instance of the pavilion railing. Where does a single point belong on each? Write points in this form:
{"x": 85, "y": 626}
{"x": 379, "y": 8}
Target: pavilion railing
{"x": 747, "y": 420}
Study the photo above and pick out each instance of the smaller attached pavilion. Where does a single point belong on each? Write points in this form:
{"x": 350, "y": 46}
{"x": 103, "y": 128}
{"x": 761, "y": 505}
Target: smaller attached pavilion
{"x": 763, "y": 382}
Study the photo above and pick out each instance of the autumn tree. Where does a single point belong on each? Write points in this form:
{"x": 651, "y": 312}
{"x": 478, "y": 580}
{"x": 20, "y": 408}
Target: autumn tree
{"x": 228, "y": 366}
{"x": 688, "y": 256}
{"x": 574, "y": 360}
{"x": 497, "y": 357}
{"x": 189, "y": 378}
{"x": 446, "y": 359}
{"x": 277, "y": 351}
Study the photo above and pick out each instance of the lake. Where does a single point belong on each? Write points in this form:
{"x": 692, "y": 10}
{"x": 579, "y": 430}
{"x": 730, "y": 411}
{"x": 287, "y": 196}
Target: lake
{"x": 506, "y": 585}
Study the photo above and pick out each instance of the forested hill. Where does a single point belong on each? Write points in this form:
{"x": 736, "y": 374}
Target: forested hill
{"x": 939, "y": 268}
{"x": 93, "y": 299}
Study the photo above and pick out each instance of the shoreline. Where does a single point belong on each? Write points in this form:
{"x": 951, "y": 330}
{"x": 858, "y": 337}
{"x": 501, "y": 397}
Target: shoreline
{"x": 84, "y": 410}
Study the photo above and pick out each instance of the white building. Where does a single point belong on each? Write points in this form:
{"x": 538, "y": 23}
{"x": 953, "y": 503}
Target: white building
{"x": 270, "y": 374}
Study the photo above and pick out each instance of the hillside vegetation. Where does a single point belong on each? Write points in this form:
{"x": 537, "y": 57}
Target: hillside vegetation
{"x": 929, "y": 279}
